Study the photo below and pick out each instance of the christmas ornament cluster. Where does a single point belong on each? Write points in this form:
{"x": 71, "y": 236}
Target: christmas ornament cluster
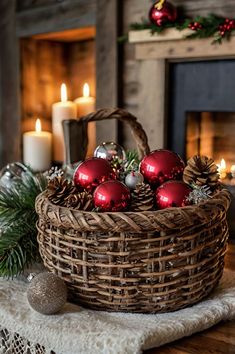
{"x": 112, "y": 182}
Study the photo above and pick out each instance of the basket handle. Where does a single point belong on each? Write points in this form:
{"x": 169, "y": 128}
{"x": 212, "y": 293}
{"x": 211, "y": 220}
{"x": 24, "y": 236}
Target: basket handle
{"x": 123, "y": 116}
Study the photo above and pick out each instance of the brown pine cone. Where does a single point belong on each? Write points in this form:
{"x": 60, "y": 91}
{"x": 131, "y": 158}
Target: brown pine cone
{"x": 59, "y": 189}
{"x": 142, "y": 198}
{"x": 201, "y": 170}
{"x": 80, "y": 201}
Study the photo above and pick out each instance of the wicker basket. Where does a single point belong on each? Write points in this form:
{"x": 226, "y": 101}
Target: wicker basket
{"x": 148, "y": 262}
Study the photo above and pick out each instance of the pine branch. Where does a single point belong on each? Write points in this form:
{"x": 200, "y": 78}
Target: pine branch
{"x": 18, "y": 244}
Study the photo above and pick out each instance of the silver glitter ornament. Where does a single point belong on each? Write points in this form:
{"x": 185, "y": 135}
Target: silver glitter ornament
{"x": 110, "y": 150}
{"x": 133, "y": 178}
{"x": 12, "y": 173}
{"x": 47, "y": 293}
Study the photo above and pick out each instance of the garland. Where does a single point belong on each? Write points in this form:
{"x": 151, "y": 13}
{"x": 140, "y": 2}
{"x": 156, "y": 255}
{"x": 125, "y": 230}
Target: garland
{"x": 219, "y": 28}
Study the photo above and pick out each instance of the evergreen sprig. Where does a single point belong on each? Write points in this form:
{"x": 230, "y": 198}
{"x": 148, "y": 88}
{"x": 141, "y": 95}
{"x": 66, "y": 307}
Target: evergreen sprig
{"x": 18, "y": 233}
{"x": 207, "y": 27}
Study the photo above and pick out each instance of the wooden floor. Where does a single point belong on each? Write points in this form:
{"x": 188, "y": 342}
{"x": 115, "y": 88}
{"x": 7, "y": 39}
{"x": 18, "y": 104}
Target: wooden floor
{"x": 220, "y": 339}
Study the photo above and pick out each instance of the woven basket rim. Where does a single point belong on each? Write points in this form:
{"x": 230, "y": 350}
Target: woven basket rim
{"x": 213, "y": 201}
{"x": 132, "y": 221}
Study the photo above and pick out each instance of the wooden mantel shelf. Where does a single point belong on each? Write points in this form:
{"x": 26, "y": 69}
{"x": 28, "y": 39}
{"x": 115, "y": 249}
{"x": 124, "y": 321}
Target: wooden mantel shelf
{"x": 171, "y": 44}
{"x": 169, "y": 34}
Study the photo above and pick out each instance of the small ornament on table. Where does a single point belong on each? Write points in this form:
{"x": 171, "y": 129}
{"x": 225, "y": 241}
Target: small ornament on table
{"x": 142, "y": 198}
{"x": 12, "y": 173}
{"x": 201, "y": 170}
{"x": 162, "y": 12}
{"x": 109, "y": 151}
{"x": 133, "y": 178}
{"x": 172, "y": 194}
{"x": 161, "y": 166}
{"x": 112, "y": 196}
{"x": 92, "y": 172}
{"x": 47, "y": 293}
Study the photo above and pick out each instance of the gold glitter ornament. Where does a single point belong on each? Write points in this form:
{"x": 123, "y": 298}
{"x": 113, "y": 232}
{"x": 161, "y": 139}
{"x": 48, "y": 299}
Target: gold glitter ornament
{"x": 47, "y": 293}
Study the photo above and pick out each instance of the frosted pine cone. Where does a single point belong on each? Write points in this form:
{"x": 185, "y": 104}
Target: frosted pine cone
{"x": 142, "y": 198}
{"x": 80, "y": 201}
{"x": 201, "y": 170}
{"x": 59, "y": 189}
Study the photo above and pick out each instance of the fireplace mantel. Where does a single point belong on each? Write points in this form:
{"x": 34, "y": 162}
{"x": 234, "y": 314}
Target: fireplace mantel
{"x": 171, "y": 44}
{"x": 154, "y": 53}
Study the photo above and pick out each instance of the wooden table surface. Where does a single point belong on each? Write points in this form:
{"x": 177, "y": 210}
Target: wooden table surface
{"x": 220, "y": 339}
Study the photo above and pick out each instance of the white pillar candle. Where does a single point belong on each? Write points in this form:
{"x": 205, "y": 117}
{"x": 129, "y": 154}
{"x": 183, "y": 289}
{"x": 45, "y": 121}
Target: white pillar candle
{"x": 86, "y": 105}
{"x": 37, "y": 148}
{"x": 61, "y": 111}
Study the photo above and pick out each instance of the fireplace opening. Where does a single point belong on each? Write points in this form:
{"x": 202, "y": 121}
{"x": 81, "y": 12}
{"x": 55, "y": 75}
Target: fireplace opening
{"x": 201, "y": 116}
{"x": 211, "y": 134}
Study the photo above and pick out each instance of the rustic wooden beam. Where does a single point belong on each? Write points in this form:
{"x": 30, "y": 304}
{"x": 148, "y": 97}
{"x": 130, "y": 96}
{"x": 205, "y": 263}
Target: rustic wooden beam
{"x": 107, "y": 64}
{"x": 10, "y": 136}
{"x": 185, "y": 49}
{"x": 58, "y": 16}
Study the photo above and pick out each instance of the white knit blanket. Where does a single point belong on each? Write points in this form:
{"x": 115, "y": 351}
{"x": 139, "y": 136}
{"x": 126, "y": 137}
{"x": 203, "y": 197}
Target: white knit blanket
{"x": 80, "y": 331}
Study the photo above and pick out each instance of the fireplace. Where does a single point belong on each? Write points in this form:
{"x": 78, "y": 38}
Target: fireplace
{"x": 201, "y": 116}
{"x": 202, "y": 105}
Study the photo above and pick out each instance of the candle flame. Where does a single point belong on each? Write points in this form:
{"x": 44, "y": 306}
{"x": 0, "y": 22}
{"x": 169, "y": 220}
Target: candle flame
{"x": 86, "y": 90}
{"x": 63, "y": 93}
{"x": 223, "y": 164}
{"x": 38, "y": 126}
{"x": 222, "y": 169}
{"x": 232, "y": 169}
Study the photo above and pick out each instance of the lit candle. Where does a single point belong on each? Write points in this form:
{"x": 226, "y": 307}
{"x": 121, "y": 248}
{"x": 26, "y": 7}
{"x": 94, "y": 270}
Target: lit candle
{"x": 222, "y": 169}
{"x": 37, "y": 148}
{"x": 86, "y": 105}
{"x": 61, "y": 111}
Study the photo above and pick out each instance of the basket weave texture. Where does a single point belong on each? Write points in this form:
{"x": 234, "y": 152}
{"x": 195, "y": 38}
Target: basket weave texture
{"x": 149, "y": 262}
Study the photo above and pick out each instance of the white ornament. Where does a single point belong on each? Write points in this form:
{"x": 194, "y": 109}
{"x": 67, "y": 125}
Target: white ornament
{"x": 133, "y": 178}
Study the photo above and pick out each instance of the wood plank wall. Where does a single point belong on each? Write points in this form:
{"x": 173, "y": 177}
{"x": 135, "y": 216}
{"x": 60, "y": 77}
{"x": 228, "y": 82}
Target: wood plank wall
{"x": 134, "y": 75}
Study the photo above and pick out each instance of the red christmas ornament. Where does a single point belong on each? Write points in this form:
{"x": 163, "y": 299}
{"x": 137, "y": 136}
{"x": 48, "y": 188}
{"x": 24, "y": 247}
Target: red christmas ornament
{"x": 172, "y": 194}
{"x": 112, "y": 196}
{"x": 161, "y": 166}
{"x": 162, "y": 12}
{"x": 92, "y": 172}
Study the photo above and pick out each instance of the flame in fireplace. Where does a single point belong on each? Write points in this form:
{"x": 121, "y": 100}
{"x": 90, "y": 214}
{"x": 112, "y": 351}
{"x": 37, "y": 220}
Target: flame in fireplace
{"x": 38, "y": 126}
{"x": 86, "y": 90}
{"x": 63, "y": 93}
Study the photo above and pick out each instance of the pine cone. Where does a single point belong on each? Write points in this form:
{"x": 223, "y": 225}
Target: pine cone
{"x": 80, "y": 201}
{"x": 142, "y": 198}
{"x": 201, "y": 170}
{"x": 59, "y": 189}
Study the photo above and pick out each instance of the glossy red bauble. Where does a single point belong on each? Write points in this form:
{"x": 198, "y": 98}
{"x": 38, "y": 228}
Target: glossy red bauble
{"x": 162, "y": 12}
{"x": 172, "y": 194}
{"x": 161, "y": 166}
{"x": 112, "y": 196}
{"x": 92, "y": 172}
